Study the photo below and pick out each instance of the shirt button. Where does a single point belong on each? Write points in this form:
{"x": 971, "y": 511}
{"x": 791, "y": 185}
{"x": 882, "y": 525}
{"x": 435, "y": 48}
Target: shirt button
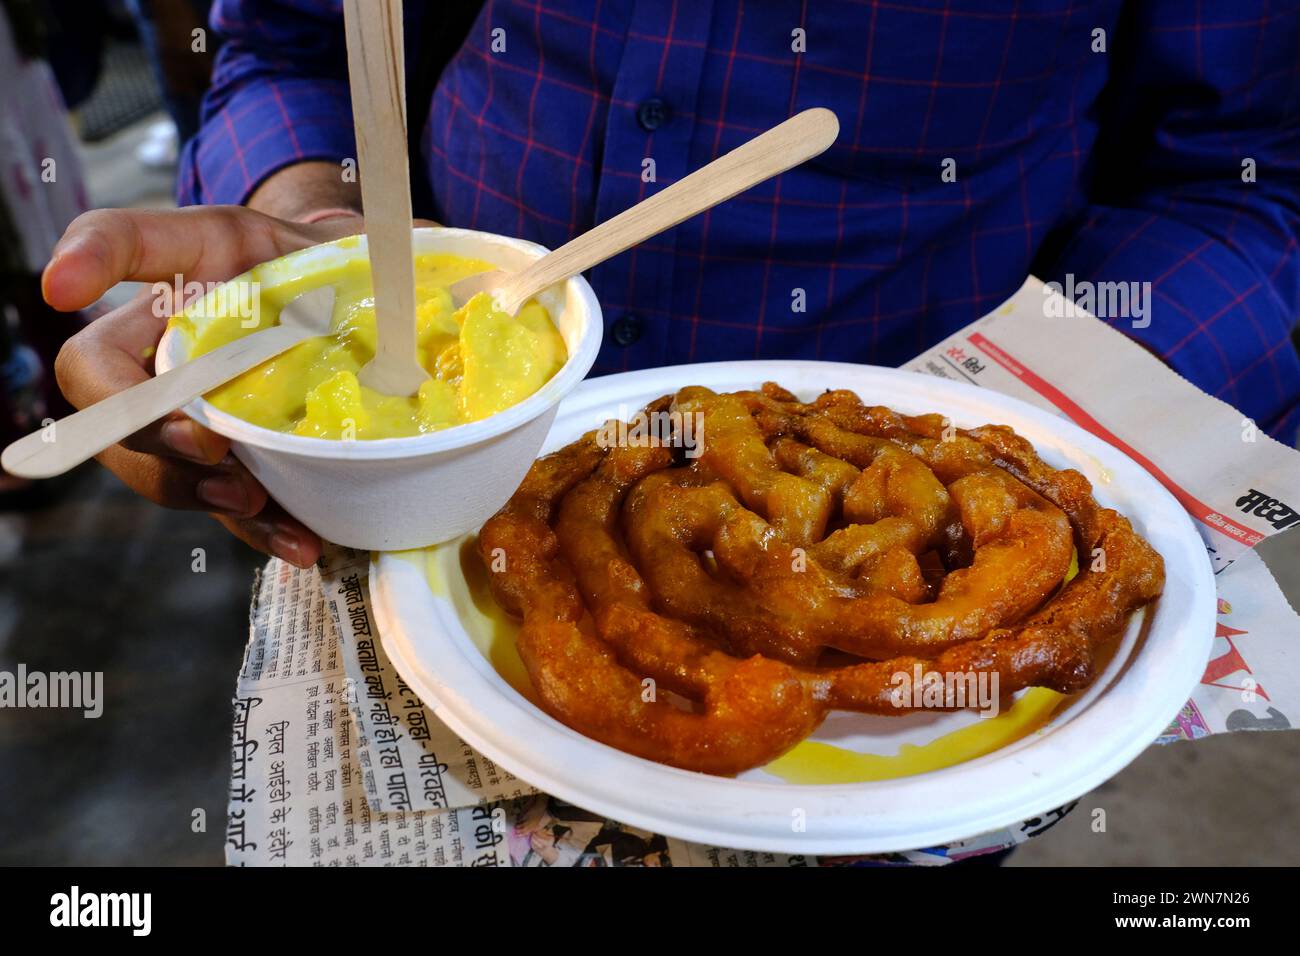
{"x": 652, "y": 114}
{"x": 626, "y": 329}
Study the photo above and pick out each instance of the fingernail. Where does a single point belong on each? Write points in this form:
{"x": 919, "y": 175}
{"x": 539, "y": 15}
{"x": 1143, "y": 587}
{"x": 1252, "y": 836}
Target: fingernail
{"x": 195, "y": 442}
{"x": 285, "y": 547}
{"x": 180, "y": 437}
{"x": 224, "y": 493}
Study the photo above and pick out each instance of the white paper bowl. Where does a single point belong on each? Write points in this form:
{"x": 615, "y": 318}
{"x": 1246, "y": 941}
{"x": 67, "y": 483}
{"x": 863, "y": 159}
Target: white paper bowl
{"x": 394, "y": 493}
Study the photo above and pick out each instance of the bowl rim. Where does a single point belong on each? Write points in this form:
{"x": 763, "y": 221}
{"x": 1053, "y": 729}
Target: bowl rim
{"x": 571, "y": 373}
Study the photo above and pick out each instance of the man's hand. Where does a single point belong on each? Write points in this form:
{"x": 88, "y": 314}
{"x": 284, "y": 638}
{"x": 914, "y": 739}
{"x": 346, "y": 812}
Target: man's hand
{"x": 174, "y": 462}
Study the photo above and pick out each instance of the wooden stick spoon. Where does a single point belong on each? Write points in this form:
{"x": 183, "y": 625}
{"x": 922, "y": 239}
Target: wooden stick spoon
{"x": 788, "y": 144}
{"x": 376, "y": 75}
{"x": 68, "y": 442}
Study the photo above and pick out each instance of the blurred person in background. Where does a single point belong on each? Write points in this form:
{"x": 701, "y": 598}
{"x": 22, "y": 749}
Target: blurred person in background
{"x": 180, "y": 47}
{"x": 42, "y": 189}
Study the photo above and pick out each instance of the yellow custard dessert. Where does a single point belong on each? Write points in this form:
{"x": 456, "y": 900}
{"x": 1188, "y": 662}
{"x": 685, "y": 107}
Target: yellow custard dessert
{"x": 480, "y": 360}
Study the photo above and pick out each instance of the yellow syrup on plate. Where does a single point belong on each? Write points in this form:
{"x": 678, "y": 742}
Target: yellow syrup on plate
{"x": 815, "y": 762}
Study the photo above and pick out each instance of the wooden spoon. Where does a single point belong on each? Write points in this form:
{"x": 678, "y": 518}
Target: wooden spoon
{"x": 376, "y": 75}
{"x": 799, "y": 138}
{"x": 83, "y": 435}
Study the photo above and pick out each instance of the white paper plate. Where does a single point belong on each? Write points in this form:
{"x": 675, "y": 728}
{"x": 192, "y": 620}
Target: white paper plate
{"x": 1088, "y": 739}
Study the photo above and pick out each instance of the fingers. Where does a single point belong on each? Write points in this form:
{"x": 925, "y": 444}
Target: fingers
{"x": 110, "y": 354}
{"x": 106, "y": 246}
{"x": 115, "y": 352}
{"x": 274, "y": 532}
{"x": 177, "y": 436}
{"x": 226, "y": 487}
{"x": 174, "y": 462}
{"x": 227, "y": 491}
{"x": 202, "y": 243}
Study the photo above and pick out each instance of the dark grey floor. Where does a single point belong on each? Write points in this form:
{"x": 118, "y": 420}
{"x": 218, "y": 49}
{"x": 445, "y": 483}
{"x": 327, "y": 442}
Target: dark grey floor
{"x": 1223, "y": 801}
{"x": 101, "y": 581}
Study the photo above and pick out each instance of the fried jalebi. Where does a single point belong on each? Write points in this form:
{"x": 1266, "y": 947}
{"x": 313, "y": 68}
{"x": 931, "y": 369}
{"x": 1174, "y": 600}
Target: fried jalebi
{"x": 699, "y": 611}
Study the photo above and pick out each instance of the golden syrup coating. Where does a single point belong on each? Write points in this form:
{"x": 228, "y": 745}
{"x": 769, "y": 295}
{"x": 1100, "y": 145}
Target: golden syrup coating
{"x": 708, "y": 610}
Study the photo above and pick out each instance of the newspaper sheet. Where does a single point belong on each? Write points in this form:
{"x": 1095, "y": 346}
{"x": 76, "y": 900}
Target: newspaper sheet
{"x": 302, "y": 774}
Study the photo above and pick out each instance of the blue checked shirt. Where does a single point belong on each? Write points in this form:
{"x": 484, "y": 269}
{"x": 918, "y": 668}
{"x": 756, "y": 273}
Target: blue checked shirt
{"x": 1173, "y": 157}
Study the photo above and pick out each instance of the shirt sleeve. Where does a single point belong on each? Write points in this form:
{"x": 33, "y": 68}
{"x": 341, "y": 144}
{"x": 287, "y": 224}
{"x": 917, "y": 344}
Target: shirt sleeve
{"x": 1195, "y": 191}
{"x": 279, "y": 96}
